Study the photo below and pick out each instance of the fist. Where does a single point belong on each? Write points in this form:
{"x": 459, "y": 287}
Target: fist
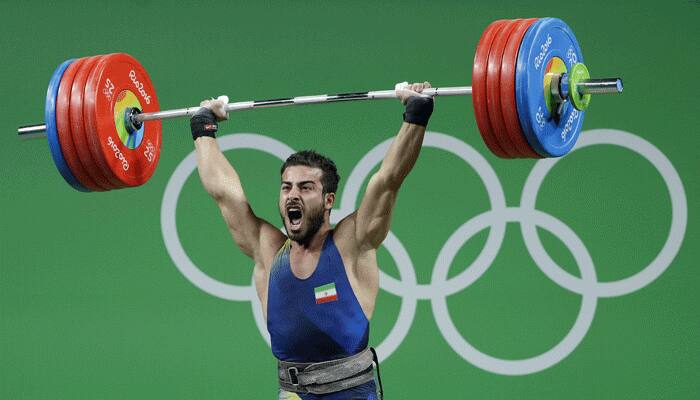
{"x": 217, "y": 106}
{"x": 404, "y": 90}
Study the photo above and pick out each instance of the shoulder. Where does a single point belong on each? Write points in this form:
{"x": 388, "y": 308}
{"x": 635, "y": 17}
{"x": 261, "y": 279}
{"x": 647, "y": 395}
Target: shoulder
{"x": 345, "y": 238}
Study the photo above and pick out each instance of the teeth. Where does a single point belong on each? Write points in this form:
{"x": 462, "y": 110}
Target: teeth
{"x": 294, "y": 214}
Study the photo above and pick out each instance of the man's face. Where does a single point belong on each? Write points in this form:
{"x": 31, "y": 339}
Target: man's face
{"x": 302, "y": 202}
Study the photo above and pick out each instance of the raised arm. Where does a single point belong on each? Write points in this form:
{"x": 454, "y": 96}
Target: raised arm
{"x": 373, "y": 218}
{"x": 252, "y": 234}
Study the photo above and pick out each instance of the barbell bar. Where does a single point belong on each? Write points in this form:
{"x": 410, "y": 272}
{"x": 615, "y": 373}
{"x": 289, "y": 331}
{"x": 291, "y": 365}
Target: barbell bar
{"x": 587, "y": 86}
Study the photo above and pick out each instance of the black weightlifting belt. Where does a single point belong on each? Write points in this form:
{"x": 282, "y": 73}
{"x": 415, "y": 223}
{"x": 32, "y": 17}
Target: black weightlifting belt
{"x": 327, "y": 376}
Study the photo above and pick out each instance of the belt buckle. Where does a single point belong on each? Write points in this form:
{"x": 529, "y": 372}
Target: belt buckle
{"x": 293, "y": 372}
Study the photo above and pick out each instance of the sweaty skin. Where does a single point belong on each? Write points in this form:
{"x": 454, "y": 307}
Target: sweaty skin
{"x": 357, "y": 236}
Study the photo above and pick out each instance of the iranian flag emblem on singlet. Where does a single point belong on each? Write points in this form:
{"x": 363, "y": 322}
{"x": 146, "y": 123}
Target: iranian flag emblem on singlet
{"x": 326, "y": 293}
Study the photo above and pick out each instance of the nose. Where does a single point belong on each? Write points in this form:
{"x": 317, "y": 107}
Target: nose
{"x": 293, "y": 193}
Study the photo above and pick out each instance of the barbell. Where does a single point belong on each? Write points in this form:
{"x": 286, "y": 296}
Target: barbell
{"x": 530, "y": 91}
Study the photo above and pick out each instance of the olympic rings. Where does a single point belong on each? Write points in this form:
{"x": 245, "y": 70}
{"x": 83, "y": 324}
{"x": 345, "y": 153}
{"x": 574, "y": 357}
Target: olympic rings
{"x": 679, "y": 216}
{"x": 495, "y": 219}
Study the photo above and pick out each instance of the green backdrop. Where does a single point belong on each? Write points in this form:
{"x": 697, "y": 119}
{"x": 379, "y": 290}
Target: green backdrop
{"x": 93, "y": 305}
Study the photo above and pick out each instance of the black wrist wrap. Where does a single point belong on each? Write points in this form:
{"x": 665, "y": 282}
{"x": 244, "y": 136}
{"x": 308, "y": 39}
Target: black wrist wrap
{"x": 418, "y": 110}
{"x": 203, "y": 123}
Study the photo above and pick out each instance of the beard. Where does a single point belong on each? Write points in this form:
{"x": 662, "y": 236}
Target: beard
{"x": 312, "y": 222}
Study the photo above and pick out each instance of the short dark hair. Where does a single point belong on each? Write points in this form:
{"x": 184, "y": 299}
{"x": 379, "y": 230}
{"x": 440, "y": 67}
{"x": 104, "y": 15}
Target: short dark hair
{"x": 311, "y": 158}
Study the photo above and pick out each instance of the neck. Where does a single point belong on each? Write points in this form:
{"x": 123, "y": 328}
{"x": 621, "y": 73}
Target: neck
{"x": 316, "y": 241}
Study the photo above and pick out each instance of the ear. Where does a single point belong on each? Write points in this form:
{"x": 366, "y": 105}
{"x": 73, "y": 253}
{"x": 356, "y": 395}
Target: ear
{"x": 329, "y": 200}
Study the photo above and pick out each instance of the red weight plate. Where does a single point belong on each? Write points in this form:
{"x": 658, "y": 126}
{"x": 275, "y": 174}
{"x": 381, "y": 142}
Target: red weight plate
{"x": 479, "y": 87}
{"x": 65, "y": 135}
{"x": 508, "y": 106}
{"x": 493, "y": 84}
{"x": 77, "y": 124}
{"x": 119, "y": 81}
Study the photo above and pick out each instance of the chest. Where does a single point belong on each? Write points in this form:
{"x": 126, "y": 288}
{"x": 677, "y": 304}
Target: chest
{"x": 304, "y": 264}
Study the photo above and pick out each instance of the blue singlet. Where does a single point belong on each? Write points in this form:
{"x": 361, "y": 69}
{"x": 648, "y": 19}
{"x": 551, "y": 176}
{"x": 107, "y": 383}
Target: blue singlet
{"x": 317, "y": 318}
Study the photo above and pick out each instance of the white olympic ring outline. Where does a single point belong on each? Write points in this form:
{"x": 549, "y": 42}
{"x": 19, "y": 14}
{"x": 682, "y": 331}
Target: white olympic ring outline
{"x": 440, "y": 287}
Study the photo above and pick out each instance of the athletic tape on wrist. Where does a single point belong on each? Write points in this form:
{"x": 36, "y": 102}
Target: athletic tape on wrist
{"x": 418, "y": 110}
{"x": 203, "y": 123}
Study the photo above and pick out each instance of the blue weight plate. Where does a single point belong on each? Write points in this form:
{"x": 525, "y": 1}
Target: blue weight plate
{"x": 52, "y": 132}
{"x": 549, "y": 44}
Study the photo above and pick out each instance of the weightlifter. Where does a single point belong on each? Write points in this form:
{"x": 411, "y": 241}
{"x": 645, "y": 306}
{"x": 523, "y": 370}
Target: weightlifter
{"x": 317, "y": 284}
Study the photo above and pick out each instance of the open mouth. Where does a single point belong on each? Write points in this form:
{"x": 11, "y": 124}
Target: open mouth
{"x": 294, "y": 215}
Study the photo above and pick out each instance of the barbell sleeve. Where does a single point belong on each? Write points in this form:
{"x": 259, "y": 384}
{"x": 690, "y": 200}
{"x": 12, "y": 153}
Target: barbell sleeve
{"x": 32, "y": 131}
{"x": 600, "y": 86}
